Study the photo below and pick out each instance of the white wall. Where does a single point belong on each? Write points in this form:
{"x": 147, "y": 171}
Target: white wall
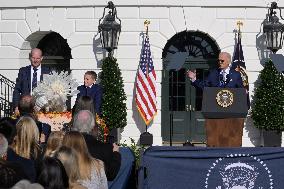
{"x": 23, "y": 25}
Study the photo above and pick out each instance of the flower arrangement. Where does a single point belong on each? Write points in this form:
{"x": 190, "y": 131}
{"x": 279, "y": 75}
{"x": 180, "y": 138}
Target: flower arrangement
{"x": 51, "y": 94}
{"x": 55, "y": 119}
{"x": 103, "y": 129}
{"x": 50, "y": 98}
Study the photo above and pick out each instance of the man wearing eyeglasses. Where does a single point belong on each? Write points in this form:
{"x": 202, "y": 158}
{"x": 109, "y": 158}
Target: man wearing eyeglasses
{"x": 223, "y": 76}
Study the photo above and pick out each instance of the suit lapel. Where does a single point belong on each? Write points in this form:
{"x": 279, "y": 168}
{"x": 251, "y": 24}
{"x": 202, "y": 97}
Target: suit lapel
{"x": 93, "y": 89}
{"x": 28, "y": 74}
{"x": 44, "y": 70}
{"x": 228, "y": 77}
{"x": 41, "y": 74}
{"x": 218, "y": 77}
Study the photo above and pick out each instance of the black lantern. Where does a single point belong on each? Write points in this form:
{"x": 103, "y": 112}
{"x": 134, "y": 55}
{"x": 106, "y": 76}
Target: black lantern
{"x": 109, "y": 29}
{"x": 273, "y": 29}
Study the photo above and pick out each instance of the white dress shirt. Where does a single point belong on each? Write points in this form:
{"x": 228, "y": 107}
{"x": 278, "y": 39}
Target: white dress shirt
{"x": 38, "y": 76}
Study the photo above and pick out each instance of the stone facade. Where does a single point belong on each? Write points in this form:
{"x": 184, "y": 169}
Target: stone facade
{"x": 23, "y": 23}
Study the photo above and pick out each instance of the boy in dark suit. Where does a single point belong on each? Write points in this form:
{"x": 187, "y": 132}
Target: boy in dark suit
{"x": 92, "y": 90}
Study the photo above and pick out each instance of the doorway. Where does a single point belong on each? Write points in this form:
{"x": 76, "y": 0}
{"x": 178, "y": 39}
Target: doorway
{"x": 179, "y": 98}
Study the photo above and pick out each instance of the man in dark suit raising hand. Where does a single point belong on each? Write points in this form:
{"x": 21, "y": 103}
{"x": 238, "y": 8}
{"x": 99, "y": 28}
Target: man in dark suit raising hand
{"x": 224, "y": 76}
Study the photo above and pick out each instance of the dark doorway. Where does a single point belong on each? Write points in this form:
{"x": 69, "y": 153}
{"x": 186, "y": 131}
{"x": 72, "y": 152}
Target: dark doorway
{"x": 56, "y": 51}
{"x": 179, "y": 98}
{"x": 56, "y": 54}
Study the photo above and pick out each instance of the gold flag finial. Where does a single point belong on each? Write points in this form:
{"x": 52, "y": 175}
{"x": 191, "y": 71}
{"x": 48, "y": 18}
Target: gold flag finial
{"x": 146, "y": 24}
{"x": 239, "y": 24}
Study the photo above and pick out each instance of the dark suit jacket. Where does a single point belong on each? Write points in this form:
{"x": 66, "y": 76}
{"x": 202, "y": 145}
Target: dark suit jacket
{"x": 28, "y": 165}
{"x": 95, "y": 92}
{"x": 102, "y": 151}
{"x": 23, "y": 82}
{"x": 233, "y": 80}
{"x": 10, "y": 174}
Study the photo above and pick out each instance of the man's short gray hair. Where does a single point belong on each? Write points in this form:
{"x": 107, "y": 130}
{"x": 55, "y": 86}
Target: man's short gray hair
{"x": 83, "y": 122}
{"x": 3, "y": 145}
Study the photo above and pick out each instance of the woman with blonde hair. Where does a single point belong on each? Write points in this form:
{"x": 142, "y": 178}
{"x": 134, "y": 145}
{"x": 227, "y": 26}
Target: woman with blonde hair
{"x": 92, "y": 174}
{"x": 27, "y": 138}
{"x": 69, "y": 159}
{"x": 54, "y": 141}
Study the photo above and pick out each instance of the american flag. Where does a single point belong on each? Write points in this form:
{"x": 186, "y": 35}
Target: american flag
{"x": 145, "y": 96}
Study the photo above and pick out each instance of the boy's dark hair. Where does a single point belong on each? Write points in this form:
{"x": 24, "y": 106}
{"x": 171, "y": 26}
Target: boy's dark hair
{"x": 92, "y": 74}
{"x": 26, "y": 104}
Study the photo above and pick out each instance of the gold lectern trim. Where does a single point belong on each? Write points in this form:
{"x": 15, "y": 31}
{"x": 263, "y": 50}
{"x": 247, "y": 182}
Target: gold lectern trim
{"x": 225, "y": 98}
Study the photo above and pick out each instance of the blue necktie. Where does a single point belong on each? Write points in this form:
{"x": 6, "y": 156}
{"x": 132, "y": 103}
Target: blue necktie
{"x": 222, "y": 78}
{"x": 34, "y": 81}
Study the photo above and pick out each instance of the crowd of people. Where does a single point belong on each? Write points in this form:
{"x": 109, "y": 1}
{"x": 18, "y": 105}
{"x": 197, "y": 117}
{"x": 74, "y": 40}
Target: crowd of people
{"x": 74, "y": 159}
{"x": 33, "y": 156}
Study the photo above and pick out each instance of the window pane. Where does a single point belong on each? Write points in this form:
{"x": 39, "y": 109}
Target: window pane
{"x": 198, "y": 99}
{"x": 181, "y": 75}
{"x": 181, "y": 104}
{"x": 173, "y": 104}
{"x": 181, "y": 89}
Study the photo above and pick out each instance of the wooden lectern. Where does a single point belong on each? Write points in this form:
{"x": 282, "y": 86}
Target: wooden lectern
{"x": 224, "y": 110}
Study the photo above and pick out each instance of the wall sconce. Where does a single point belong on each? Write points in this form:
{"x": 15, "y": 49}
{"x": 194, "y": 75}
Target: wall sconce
{"x": 273, "y": 29}
{"x": 109, "y": 29}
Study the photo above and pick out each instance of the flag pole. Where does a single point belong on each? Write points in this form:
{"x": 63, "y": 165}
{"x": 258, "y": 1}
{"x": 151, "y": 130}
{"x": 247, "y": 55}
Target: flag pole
{"x": 146, "y": 138}
{"x": 239, "y": 24}
{"x": 146, "y": 24}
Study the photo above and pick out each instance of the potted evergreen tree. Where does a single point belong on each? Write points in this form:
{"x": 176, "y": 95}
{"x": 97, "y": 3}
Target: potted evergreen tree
{"x": 114, "y": 98}
{"x": 268, "y": 104}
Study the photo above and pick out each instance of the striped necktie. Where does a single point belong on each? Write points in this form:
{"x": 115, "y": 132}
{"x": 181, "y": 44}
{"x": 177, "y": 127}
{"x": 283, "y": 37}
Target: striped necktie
{"x": 34, "y": 81}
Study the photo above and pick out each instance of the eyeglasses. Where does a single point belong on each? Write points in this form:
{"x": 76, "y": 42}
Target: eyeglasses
{"x": 222, "y": 61}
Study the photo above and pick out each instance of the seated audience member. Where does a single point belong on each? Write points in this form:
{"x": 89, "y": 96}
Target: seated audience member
{"x": 87, "y": 103}
{"x": 54, "y": 141}
{"x": 92, "y": 173}
{"x": 108, "y": 153}
{"x": 25, "y": 184}
{"x": 84, "y": 103}
{"x": 52, "y": 174}
{"x": 26, "y": 108}
{"x": 27, "y": 138}
{"x": 7, "y": 124}
{"x": 91, "y": 89}
{"x": 69, "y": 159}
{"x": 10, "y": 173}
{"x": 8, "y": 128}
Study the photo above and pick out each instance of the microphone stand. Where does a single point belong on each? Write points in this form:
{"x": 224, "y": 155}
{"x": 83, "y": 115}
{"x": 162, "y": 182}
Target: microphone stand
{"x": 171, "y": 112}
